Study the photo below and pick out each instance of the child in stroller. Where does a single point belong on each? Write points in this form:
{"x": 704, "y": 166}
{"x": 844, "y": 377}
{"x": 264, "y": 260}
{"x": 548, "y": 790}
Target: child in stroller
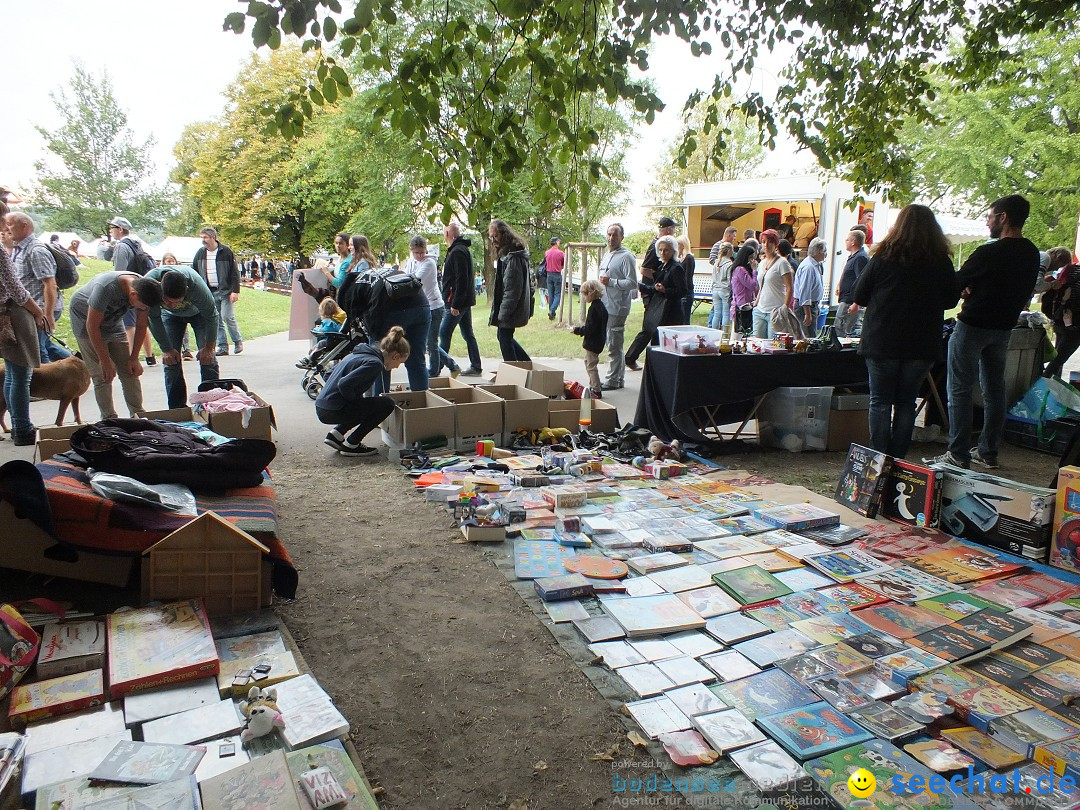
{"x": 327, "y": 332}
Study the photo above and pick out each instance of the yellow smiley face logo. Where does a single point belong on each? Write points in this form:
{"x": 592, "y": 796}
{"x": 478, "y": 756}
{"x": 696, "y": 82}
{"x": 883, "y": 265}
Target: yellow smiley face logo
{"x": 862, "y": 784}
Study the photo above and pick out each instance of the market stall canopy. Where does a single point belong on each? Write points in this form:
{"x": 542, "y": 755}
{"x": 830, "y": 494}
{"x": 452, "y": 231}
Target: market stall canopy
{"x": 183, "y": 248}
{"x": 958, "y": 229}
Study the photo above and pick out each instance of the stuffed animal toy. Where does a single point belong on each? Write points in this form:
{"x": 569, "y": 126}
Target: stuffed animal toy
{"x": 661, "y": 451}
{"x": 262, "y": 713}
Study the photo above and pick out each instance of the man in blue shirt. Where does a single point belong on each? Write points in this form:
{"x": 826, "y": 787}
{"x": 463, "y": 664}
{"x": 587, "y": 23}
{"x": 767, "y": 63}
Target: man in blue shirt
{"x": 809, "y": 286}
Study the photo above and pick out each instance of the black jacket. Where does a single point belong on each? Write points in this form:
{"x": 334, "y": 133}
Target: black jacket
{"x": 352, "y": 378}
{"x": 459, "y": 278}
{"x": 1001, "y": 276}
{"x": 511, "y": 300}
{"x": 595, "y": 329}
{"x": 228, "y": 272}
{"x": 853, "y": 268}
{"x": 673, "y": 277}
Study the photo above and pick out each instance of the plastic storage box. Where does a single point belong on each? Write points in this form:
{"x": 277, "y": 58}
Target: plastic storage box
{"x": 690, "y": 339}
{"x": 795, "y": 419}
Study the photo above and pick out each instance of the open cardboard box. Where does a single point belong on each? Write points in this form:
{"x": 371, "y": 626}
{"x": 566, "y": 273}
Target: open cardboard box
{"x": 419, "y": 415}
{"x": 534, "y": 376}
{"x": 522, "y": 409}
{"x": 440, "y": 384}
{"x": 232, "y": 425}
{"x": 478, "y": 415}
{"x": 53, "y": 440}
{"x": 565, "y": 413}
{"x": 181, "y": 414}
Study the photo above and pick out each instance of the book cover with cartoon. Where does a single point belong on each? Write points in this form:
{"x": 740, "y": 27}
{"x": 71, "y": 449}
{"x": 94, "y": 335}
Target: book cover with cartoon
{"x": 813, "y": 730}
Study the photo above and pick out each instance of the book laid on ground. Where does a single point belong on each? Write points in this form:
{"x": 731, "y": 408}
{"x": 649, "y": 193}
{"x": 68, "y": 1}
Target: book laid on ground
{"x": 796, "y": 517}
{"x": 961, "y": 564}
{"x": 863, "y": 480}
{"x": 912, "y": 494}
{"x": 844, "y": 565}
{"x": 72, "y": 728}
{"x": 766, "y": 693}
{"x": 229, "y": 649}
{"x": 727, "y": 730}
{"x": 652, "y": 615}
{"x": 751, "y": 584}
{"x": 658, "y": 715}
{"x": 899, "y": 620}
{"x": 768, "y": 767}
{"x": 67, "y": 761}
{"x": 155, "y": 646}
{"x": 264, "y": 782}
{"x": 143, "y": 763}
{"x": 332, "y": 755}
{"x": 57, "y": 696}
{"x": 141, "y": 707}
{"x": 813, "y": 730}
{"x": 193, "y": 726}
{"x": 905, "y": 584}
{"x": 178, "y": 794}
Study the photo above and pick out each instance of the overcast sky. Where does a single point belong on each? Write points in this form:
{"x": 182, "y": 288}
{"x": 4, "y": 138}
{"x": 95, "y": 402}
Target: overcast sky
{"x": 187, "y": 61}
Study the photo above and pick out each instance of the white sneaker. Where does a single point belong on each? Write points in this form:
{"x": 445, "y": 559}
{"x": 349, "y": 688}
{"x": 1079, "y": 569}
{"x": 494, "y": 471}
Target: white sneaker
{"x": 985, "y": 463}
{"x": 948, "y": 458}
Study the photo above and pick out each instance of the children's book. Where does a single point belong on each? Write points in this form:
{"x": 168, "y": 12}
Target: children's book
{"x": 950, "y": 680}
{"x": 1040, "y": 693}
{"x": 1007, "y": 594}
{"x": 1060, "y": 757}
{"x": 1062, "y": 675}
{"x": 999, "y": 628}
{"x": 771, "y": 561}
{"x": 219, "y": 719}
{"x": 905, "y": 584}
{"x": 540, "y": 558}
{"x": 145, "y": 763}
{"x": 803, "y": 579}
{"x": 727, "y": 730}
{"x": 730, "y": 665}
{"x": 743, "y": 525}
{"x": 766, "y": 693}
{"x": 884, "y": 760}
{"x": 979, "y": 706}
{"x": 796, "y": 517}
{"x": 1045, "y": 627}
{"x": 688, "y": 748}
{"x": 67, "y": 761}
{"x": 179, "y": 794}
{"x": 1022, "y": 731}
{"x": 963, "y": 564}
{"x": 77, "y": 794}
{"x": 683, "y": 578}
{"x": 648, "y": 563}
{"x": 264, "y": 782}
{"x": 647, "y": 680}
{"x": 875, "y": 686}
{"x": 616, "y": 654}
{"x": 1066, "y": 645}
{"x": 779, "y": 538}
{"x": 907, "y": 665}
{"x": 766, "y": 650}
{"x": 955, "y": 605}
{"x": 72, "y": 728}
{"x": 1051, "y": 587}
{"x": 652, "y": 615}
{"x": 805, "y": 667}
{"x": 141, "y": 707}
{"x": 709, "y": 601}
{"x": 939, "y": 756}
{"x": 773, "y": 614}
{"x": 658, "y": 715}
{"x": 923, "y": 707}
{"x": 734, "y": 546}
{"x": 812, "y": 603}
{"x": 69, "y": 648}
{"x": 847, "y": 564}
{"x": 900, "y": 621}
{"x": 839, "y": 692}
{"x": 873, "y": 644}
{"x": 853, "y": 596}
{"x": 751, "y": 584}
{"x": 334, "y": 757}
{"x": 54, "y": 697}
{"x": 694, "y": 643}
{"x": 312, "y": 723}
{"x": 912, "y": 494}
{"x": 655, "y": 649}
{"x": 734, "y": 627}
{"x": 842, "y": 659}
{"x": 883, "y": 721}
{"x": 223, "y": 754}
{"x": 229, "y": 649}
{"x": 863, "y": 480}
{"x": 163, "y": 644}
{"x": 998, "y": 669}
{"x": 813, "y": 730}
{"x": 561, "y": 612}
{"x": 983, "y": 747}
{"x": 695, "y": 699}
{"x": 950, "y": 643}
{"x": 830, "y": 629}
{"x": 768, "y": 767}
{"x": 1030, "y": 655}
{"x": 599, "y": 628}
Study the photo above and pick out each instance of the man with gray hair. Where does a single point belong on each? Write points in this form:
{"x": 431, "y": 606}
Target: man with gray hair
{"x": 730, "y": 232}
{"x": 36, "y": 269}
{"x": 809, "y": 285}
{"x": 618, "y": 274}
{"x": 848, "y": 315}
{"x": 216, "y": 265}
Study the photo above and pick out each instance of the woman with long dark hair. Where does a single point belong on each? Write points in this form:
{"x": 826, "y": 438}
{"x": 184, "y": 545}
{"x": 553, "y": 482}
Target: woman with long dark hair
{"x": 511, "y": 298}
{"x": 744, "y": 288}
{"x": 906, "y": 287}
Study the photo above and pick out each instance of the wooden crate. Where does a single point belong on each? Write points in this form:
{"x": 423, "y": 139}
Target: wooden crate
{"x": 212, "y": 559}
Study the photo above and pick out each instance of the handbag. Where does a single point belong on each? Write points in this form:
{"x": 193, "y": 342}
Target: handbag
{"x": 18, "y": 648}
{"x": 744, "y": 319}
{"x": 398, "y": 286}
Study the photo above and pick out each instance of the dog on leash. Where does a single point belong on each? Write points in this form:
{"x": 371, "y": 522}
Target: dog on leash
{"x": 65, "y": 380}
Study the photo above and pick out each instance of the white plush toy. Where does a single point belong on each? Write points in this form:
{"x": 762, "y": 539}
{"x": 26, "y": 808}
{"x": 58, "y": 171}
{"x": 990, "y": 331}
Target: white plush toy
{"x": 262, "y": 713}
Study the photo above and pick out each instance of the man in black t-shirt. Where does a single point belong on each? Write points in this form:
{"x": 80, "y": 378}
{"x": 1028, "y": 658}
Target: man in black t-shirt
{"x": 996, "y": 283}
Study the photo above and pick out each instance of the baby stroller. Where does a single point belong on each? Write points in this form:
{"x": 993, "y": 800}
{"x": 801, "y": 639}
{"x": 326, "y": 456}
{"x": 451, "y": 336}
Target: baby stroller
{"x": 322, "y": 362}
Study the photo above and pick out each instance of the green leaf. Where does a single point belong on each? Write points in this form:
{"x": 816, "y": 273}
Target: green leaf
{"x": 329, "y": 29}
{"x": 235, "y": 22}
{"x": 330, "y": 89}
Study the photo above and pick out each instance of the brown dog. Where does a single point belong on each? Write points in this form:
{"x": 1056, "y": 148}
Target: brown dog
{"x": 65, "y": 380}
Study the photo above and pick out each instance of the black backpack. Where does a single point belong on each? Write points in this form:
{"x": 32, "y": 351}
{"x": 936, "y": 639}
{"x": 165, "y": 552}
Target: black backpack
{"x": 141, "y": 262}
{"x": 399, "y": 285}
{"x": 67, "y": 273}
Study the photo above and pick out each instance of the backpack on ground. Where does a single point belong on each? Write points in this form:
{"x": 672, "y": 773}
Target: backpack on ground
{"x": 141, "y": 261}
{"x": 67, "y": 272}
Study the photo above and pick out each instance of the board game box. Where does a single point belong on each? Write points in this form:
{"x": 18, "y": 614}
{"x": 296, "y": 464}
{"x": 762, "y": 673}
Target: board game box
{"x": 912, "y": 494}
{"x": 862, "y": 482}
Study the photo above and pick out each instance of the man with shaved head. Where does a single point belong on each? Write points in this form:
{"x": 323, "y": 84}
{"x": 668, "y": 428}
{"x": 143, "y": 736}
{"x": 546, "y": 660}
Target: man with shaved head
{"x": 459, "y": 295}
{"x": 36, "y": 269}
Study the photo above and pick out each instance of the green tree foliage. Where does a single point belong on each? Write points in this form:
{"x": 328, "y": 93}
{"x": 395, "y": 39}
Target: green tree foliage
{"x": 858, "y": 73}
{"x": 95, "y": 170}
{"x": 1020, "y": 132}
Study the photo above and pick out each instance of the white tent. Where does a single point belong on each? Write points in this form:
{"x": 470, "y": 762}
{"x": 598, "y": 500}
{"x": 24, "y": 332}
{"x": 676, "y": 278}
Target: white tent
{"x": 959, "y": 230}
{"x": 183, "y": 248}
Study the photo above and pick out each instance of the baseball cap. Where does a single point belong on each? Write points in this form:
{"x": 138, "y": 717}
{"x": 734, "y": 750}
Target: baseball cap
{"x": 554, "y": 240}
{"x": 120, "y": 222}
{"x": 666, "y": 222}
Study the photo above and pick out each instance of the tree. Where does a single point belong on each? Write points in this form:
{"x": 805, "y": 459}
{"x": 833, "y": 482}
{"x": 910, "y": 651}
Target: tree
{"x": 1018, "y": 133}
{"x": 97, "y": 170}
{"x": 848, "y": 57}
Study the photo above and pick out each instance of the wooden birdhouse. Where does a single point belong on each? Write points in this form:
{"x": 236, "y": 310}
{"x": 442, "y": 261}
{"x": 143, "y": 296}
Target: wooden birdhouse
{"x": 212, "y": 559}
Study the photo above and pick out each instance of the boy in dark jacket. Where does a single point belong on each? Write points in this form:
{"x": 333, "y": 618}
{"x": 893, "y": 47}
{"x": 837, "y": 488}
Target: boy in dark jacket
{"x": 594, "y": 331}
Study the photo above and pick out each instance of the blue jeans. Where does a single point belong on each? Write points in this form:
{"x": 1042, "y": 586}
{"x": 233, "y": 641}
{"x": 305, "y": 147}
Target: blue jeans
{"x": 446, "y": 334}
{"x": 415, "y": 321}
{"x": 50, "y": 351}
{"x": 762, "y": 326}
{"x": 511, "y": 349}
{"x": 175, "y": 384}
{"x": 17, "y": 395}
{"x": 437, "y": 358}
{"x": 721, "y": 310}
{"x": 894, "y": 385}
{"x": 977, "y": 354}
{"x": 554, "y": 291}
{"x": 226, "y": 318}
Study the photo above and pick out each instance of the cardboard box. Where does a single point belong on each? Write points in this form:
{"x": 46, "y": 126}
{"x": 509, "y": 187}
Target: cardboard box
{"x": 1065, "y": 543}
{"x": 534, "y": 376}
{"x": 850, "y": 402}
{"x": 440, "y": 384}
{"x": 232, "y": 424}
{"x": 847, "y": 427}
{"x": 419, "y": 415}
{"x": 478, "y": 416}
{"x": 67, "y": 649}
{"x": 484, "y": 534}
{"x": 53, "y": 440}
{"x": 182, "y": 414}
{"x": 522, "y": 409}
{"x": 565, "y": 413}
{"x": 994, "y": 511}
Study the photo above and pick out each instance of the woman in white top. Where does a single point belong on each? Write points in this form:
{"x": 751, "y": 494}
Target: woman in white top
{"x": 721, "y": 287}
{"x": 422, "y": 266}
{"x": 776, "y": 281}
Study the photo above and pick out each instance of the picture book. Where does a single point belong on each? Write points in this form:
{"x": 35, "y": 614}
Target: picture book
{"x": 683, "y": 578}
{"x": 1040, "y": 693}
{"x": 655, "y": 649}
{"x": 616, "y": 654}
{"x": 1063, "y": 675}
{"x": 774, "y": 615}
{"x": 68, "y": 760}
{"x": 1060, "y": 757}
{"x": 229, "y": 649}
{"x": 178, "y": 794}
{"x": 727, "y": 730}
{"x": 805, "y": 667}
{"x": 963, "y": 564}
{"x": 1007, "y": 594}
{"x": 646, "y": 680}
{"x": 751, "y": 584}
{"x": 651, "y": 615}
{"x": 69, "y": 648}
{"x": 743, "y": 525}
{"x": 979, "y": 706}
{"x": 648, "y": 563}
{"x": 1067, "y": 609}
{"x": 730, "y": 665}
{"x": 1022, "y": 731}
{"x": 560, "y": 612}
{"x": 63, "y": 695}
{"x": 709, "y": 601}
{"x": 768, "y": 767}
{"x": 1045, "y": 627}
{"x": 830, "y": 629}
{"x": 900, "y": 621}
{"x": 540, "y": 558}
{"x": 853, "y": 596}
{"x": 939, "y": 756}
{"x": 912, "y": 494}
{"x": 694, "y": 643}
{"x": 950, "y": 643}
{"x": 195, "y": 725}
{"x": 734, "y": 627}
{"x": 813, "y": 730}
{"x": 904, "y": 584}
{"x": 1027, "y": 653}
{"x": 884, "y": 760}
{"x": 875, "y": 686}
{"x": 842, "y": 659}
{"x": 769, "y": 692}
{"x": 883, "y": 721}
{"x": 812, "y": 603}
{"x": 839, "y": 692}
{"x": 312, "y": 723}
{"x": 77, "y": 794}
{"x": 1066, "y": 645}
{"x": 923, "y": 707}
{"x": 734, "y": 546}
{"x": 688, "y": 748}
{"x": 863, "y": 480}
{"x": 797, "y": 516}
{"x": 72, "y": 728}
{"x": 140, "y": 707}
{"x": 145, "y": 763}
{"x": 802, "y": 579}
{"x": 1051, "y": 587}
{"x": 999, "y": 628}
{"x": 771, "y": 561}
{"x": 695, "y": 699}
{"x": 264, "y": 782}
{"x": 846, "y": 564}
{"x": 950, "y": 680}
{"x": 766, "y": 650}
{"x": 224, "y": 754}
{"x": 907, "y": 664}
{"x": 658, "y": 715}
{"x": 159, "y": 645}
{"x": 955, "y": 605}
{"x": 599, "y": 628}
{"x": 983, "y": 747}
{"x": 998, "y": 669}
{"x": 873, "y": 644}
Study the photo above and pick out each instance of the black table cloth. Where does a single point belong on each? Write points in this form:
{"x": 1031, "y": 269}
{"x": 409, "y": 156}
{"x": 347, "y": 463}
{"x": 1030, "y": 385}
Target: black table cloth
{"x": 674, "y": 385}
